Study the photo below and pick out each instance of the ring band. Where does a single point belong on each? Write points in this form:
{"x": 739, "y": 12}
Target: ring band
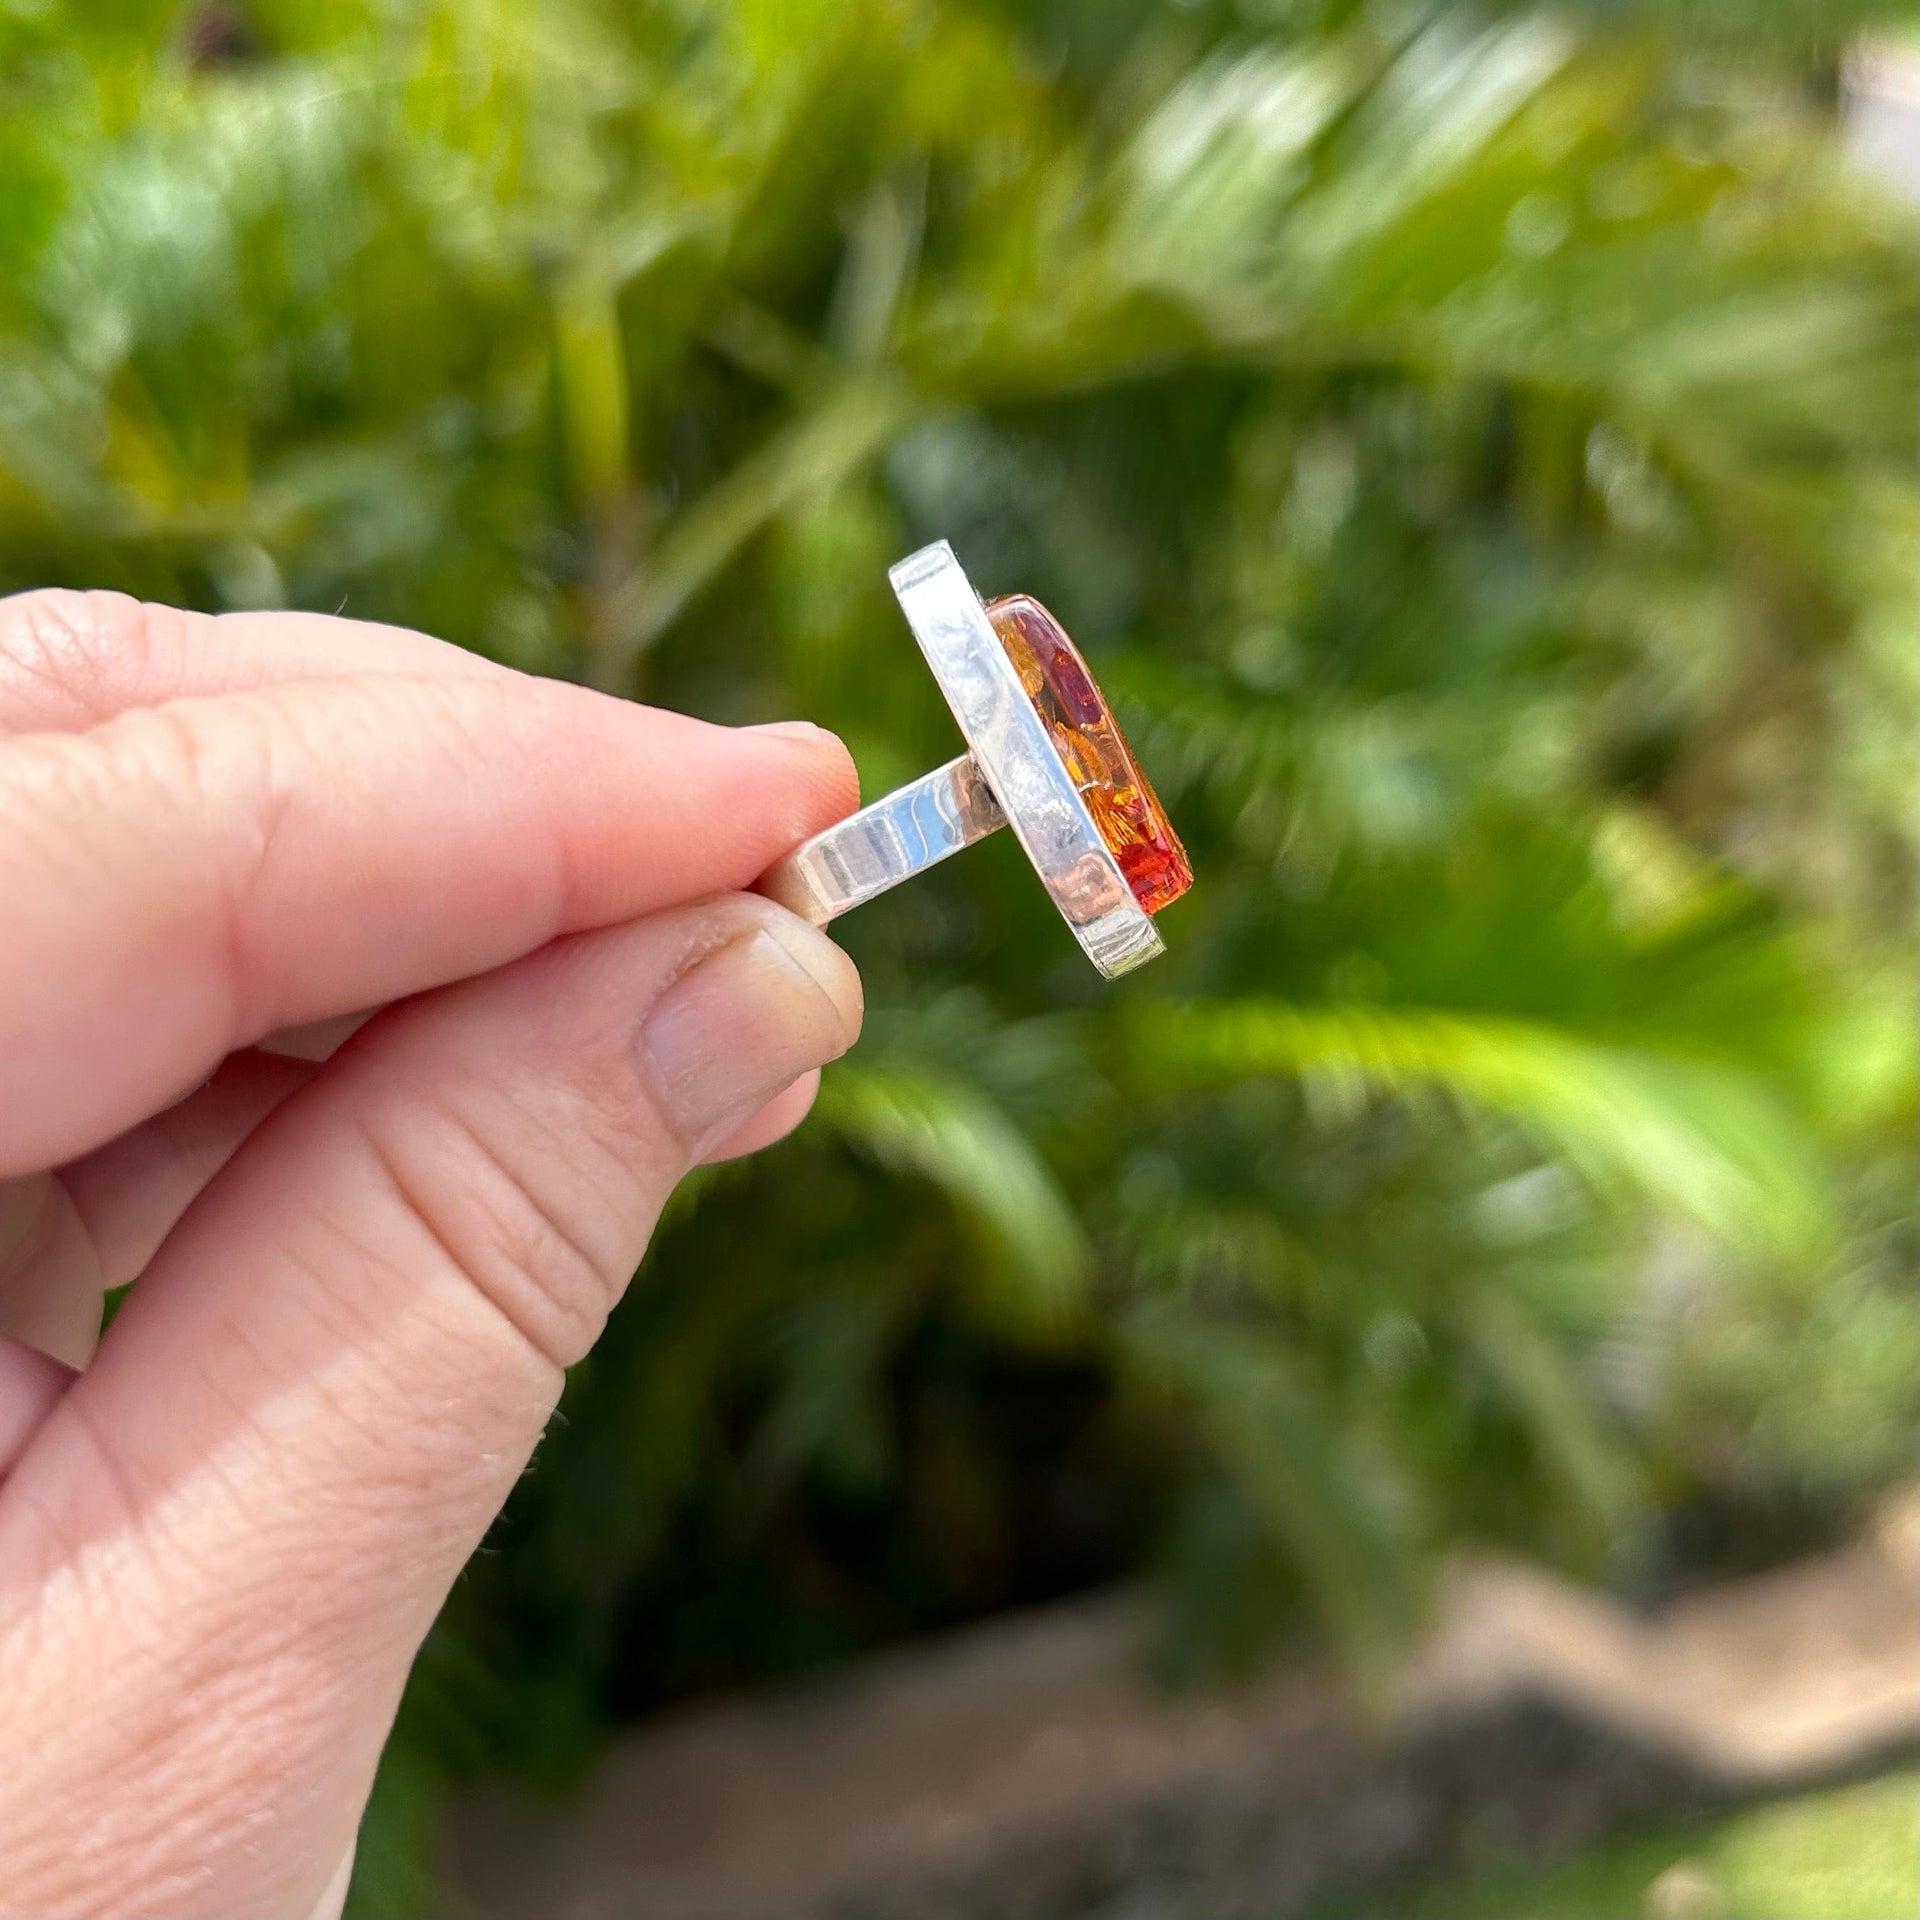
{"x": 888, "y": 842}
{"x": 1011, "y": 775}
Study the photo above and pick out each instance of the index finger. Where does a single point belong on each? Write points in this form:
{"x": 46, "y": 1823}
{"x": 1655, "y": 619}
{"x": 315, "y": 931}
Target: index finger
{"x": 69, "y": 660}
{"x": 184, "y": 879}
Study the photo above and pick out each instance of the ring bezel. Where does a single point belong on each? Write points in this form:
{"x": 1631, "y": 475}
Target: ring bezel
{"x": 1015, "y": 752}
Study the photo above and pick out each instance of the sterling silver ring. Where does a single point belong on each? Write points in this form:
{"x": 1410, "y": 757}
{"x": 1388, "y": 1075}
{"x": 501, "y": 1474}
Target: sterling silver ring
{"x": 1044, "y": 757}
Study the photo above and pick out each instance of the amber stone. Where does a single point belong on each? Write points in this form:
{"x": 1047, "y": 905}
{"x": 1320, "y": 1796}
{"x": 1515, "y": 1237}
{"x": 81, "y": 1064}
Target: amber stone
{"x": 1124, "y": 807}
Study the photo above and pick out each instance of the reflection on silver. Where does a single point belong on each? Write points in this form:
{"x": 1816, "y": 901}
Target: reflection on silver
{"x": 1012, "y": 776}
{"x": 888, "y": 842}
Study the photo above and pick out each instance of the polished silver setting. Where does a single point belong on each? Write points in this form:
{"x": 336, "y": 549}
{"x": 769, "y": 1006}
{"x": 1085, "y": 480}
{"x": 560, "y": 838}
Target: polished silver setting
{"x": 1010, "y": 776}
{"x": 890, "y": 841}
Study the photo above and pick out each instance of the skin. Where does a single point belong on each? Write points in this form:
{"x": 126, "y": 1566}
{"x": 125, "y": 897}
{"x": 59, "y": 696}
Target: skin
{"x": 366, "y": 1248}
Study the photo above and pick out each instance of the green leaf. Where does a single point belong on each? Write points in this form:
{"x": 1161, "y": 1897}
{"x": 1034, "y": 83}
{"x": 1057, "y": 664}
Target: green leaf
{"x": 1704, "y": 1137}
{"x": 1592, "y": 1465}
{"x": 1275, "y": 1434}
{"x": 1033, "y": 1259}
{"x": 816, "y": 453}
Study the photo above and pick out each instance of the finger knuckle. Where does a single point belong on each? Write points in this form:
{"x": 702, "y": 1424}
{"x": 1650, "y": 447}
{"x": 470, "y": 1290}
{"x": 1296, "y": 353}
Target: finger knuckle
{"x": 509, "y": 1205}
{"x": 63, "y": 651}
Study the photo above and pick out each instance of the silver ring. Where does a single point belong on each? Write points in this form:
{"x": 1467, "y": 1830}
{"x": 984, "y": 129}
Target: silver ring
{"x": 1012, "y": 775}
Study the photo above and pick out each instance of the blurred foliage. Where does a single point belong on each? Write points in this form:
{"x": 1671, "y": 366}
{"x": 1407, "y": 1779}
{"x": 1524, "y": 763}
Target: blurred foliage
{"x": 1850, "y": 1853}
{"x": 1475, "y": 446}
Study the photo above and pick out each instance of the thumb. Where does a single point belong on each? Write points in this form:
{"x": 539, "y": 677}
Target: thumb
{"x": 326, "y": 1383}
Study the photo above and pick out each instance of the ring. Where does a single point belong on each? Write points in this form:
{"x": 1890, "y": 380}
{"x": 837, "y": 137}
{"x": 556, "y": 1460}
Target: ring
{"x": 1044, "y": 757}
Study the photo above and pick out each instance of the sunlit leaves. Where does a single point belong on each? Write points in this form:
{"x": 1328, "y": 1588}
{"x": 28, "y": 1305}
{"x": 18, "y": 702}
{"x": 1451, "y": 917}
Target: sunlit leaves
{"x": 1702, "y": 1137}
{"x": 1033, "y": 1256}
{"x": 1473, "y": 445}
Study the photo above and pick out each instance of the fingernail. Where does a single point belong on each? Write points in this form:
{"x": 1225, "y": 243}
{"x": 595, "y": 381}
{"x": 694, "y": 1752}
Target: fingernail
{"x": 792, "y": 730}
{"x": 746, "y": 1022}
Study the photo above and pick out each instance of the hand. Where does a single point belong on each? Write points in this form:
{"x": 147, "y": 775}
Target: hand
{"x": 223, "y": 1536}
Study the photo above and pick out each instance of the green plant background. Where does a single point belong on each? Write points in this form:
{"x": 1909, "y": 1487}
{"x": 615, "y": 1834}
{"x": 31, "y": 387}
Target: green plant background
{"x": 1475, "y": 447}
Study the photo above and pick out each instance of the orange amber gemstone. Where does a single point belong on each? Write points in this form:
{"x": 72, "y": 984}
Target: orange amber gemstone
{"x": 1124, "y": 807}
